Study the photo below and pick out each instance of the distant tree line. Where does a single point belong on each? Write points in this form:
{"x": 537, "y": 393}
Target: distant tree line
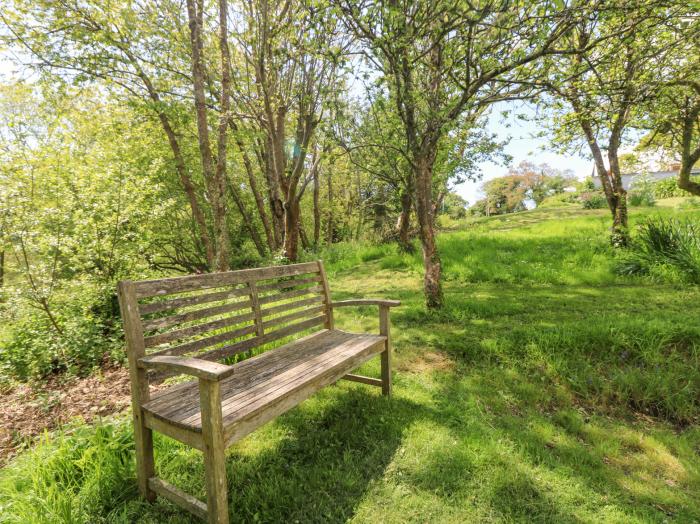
{"x": 524, "y": 184}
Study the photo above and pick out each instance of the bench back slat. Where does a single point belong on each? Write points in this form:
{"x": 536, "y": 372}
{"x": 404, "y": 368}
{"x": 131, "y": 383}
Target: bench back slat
{"x": 218, "y": 315}
{"x": 246, "y": 345}
{"x": 169, "y": 286}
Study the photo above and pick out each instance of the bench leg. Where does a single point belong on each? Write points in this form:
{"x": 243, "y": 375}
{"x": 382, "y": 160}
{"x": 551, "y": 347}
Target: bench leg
{"x": 214, "y": 452}
{"x": 384, "y": 329}
{"x": 145, "y": 464}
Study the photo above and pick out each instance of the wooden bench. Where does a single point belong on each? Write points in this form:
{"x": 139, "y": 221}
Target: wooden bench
{"x": 188, "y": 325}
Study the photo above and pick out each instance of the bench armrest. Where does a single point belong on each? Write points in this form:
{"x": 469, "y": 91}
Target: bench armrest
{"x": 366, "y": 302}
{"x": 195, "y": 367}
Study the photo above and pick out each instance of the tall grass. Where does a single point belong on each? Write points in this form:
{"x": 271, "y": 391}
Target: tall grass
{"x": 549, "y": 389}
{"x": 71, "y": 477}
{"x": 667, "y": 248}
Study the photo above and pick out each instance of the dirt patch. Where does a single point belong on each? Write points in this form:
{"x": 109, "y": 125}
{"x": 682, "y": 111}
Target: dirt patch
{"x": 426, "y": 362}
{"x": 27, "y": 411}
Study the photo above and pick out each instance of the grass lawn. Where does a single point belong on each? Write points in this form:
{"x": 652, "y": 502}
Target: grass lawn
{"x": 548, "y": 390}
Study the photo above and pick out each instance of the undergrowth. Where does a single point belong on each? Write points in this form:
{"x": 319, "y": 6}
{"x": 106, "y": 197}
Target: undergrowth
{"x": 666, "y": 249}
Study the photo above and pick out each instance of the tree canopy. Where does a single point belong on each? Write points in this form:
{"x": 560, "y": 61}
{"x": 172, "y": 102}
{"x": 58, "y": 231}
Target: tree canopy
{"x": 152, "y": 137}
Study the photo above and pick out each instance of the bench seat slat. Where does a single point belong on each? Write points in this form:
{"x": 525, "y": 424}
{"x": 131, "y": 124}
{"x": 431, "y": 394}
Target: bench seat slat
{"x": 265, "y": 379}
{"x": 183, "y": 393}
{"x": 305, "y": 359}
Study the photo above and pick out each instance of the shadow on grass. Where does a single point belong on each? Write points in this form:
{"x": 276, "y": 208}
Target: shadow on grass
{"x": 548, "y": 460}
{"x": 318, "y": 463}
{"x": 321, "y": 467}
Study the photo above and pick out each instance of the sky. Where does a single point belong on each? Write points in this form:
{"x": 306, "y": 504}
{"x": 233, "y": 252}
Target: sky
{"x": 523, "y": 144}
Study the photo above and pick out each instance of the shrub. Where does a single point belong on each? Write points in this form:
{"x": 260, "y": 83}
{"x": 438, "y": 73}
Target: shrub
{"x": 478, "y": 208}
{"x": 90, "y": 328}
{"x": 668, "y": 188}
{"x": 593, "y": 200}
{"x": 586, "y": 185}
{"x": 559, "y": 200}
{"x": 642, "y": 191}
{"x": 668, "y": 249}
{"x": 641, "y": 199}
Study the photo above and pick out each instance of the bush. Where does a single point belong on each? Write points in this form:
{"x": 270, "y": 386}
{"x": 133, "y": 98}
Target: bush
{"x": 478, "y": 208}
{"x": 559, "y": 200}
{"x": 586, "y": 185}
{"x": 668, "y": 249}
{"x": 668, "y": 188}
{"x": 641, "y": 199}
{"x": 593, "y": 200}
{"x": 642, "y": 191}
{"x": 90, "y": 329}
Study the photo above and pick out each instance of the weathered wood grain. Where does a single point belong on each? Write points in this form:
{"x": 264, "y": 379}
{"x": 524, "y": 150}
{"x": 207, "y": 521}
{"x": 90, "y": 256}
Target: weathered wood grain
{"x": 226, "y": 403}
{"x": 178, "y": 497}
{"x": 363, "y": 380}
{"x": 214, "y": 451}
{"x": 291, "y": 305}
{"x": 169, "y": 286}
{"x": 277, "y": 297}
{"x": 329, "y": 324}
{"x": 268, "y": 375}
{"x": 140, "y": 394}
{"x": 284, "y": 284}
{"x": 191, "y": 366}
{"x": 206, "y": 342}
{"x": 189, "y": 316}
{"x": 384, "y": 329}
{"x": 198, "y": 329}
{"x": 193, "y": 300}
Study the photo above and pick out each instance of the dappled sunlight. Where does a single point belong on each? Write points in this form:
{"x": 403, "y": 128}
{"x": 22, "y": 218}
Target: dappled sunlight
{"x": 518, "y": 402}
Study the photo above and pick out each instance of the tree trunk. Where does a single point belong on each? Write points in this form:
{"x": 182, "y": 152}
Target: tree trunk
{"x": 403, "y": 225}
{"x": 204, "y": 239}
{"x": 317, "y": 209}
{"x": 188, "y": 186}
{"x": 620, "y": 231}
{"x": 303, "y": 236}
{"x": 249, "y": 224}
{"x": 432, "y": 283}
{"x": 330, "y": 207}
{"x": 276, "y": 205}
{"x": 689, "y": 155}
{"x": 437, "y": 206}
{"x": 252, "y": 182}
{"x": 292, "y": 212}
{"x": 215, "y": 181}
{"x": 610, "y": 180}
{"x": 620, "y": 236}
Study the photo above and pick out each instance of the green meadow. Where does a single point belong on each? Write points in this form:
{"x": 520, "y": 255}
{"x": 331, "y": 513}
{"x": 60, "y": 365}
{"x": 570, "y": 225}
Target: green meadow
{"x": 549, "y": 389}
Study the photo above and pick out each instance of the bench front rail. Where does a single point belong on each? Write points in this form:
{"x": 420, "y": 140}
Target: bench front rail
{"x": 193, "y": 325}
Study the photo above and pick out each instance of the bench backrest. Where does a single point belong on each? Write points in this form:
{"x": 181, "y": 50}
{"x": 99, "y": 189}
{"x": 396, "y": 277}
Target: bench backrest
{"x": 216, "y": 315}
